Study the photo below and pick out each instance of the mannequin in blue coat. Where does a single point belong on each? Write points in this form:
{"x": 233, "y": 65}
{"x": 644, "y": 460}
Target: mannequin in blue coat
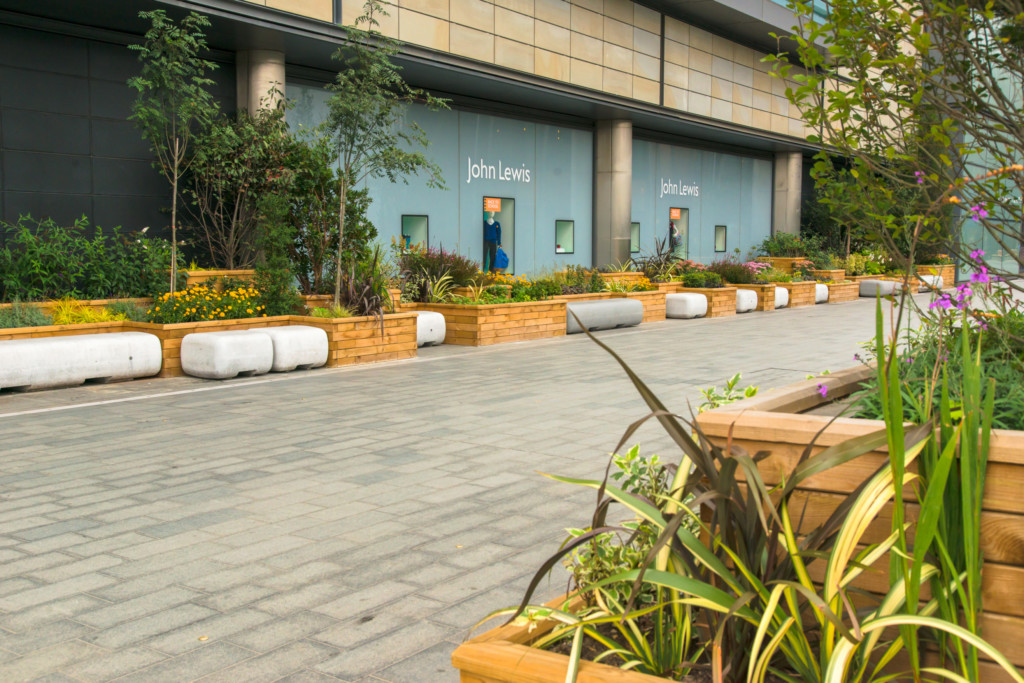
{"x": 492, "y": 240}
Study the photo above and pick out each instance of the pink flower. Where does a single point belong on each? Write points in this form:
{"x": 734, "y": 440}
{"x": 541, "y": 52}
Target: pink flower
{"x": 920, "y": 177}
{"x": 822, "y": 390}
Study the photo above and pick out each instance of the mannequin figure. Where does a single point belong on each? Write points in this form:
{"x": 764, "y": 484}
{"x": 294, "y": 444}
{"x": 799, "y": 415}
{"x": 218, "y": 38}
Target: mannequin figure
{"x": 492, "y": 241}
{"x": 675, "y": 239}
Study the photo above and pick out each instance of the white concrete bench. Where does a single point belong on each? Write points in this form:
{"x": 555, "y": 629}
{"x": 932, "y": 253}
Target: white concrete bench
{"x": 746, "y": 300}
{"x": 603, "y": 314}
{"x": 781, "y": 297}
{"x": 297, "y": 347}
{"x": 932, "y": 282}
{"x": 223, "y": 355}
{"x": 47, "y": 362}
{"x": 820, "y": 293}
{"x": 685, "y": 305}
{"x": 880, "y": 287}
{"x": 430, "y": 328}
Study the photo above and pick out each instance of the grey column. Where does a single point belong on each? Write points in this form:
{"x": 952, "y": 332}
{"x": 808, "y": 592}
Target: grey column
{"x": 613, "y": 190}
{"x": 787, "y": 194}
{"x": 256, "y": 72}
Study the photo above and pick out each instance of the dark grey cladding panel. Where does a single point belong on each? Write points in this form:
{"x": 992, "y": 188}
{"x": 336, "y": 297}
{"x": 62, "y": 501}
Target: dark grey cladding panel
{"x": 41, "y": 132}
{"x": 132, "y": 213}
{"x": 63, "y": 208}
{"x": 111, "y": 100}
{"x": 46, "y": 52}
{"x": 42, "y": 91}
{"x": 111, "y": 62}
{"x": 118, "y": 139}
{"x": 42, "y": 172}
{"x": 127, "y": 177}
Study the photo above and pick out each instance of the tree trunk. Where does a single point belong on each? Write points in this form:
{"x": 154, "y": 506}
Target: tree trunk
{"x": 174, "y": 216}
{"x": 341, "y": 240}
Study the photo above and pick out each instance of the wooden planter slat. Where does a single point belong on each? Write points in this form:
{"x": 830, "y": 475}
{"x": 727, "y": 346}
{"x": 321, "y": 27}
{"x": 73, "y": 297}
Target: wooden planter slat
{"x": 765, "y": 295}
{"x": 721, "y": 300}
{"x": 831, "y": 274}
{"x": 800, "y": 293}
{"x": 947, "y": 272}
{"x": 469, "y": 325}
{"x": 653, "y": 302}
{"x": 783, "y": 263}
{"x": 840, "y": 292}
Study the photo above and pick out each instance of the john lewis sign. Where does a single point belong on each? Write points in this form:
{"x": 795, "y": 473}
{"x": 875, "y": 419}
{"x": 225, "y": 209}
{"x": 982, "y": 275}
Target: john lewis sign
{"x": 482, "y": 171}
{"x": 678, "y": 188}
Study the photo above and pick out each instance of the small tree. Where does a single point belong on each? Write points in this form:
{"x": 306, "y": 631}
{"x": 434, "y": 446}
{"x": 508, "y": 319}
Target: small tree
{"x": 365, "y": 121}
{"x": 172, "y": 99}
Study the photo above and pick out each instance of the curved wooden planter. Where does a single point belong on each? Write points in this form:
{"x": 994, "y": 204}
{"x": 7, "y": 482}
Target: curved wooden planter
{"x": 771, "y": 422}
{"x": 503, "y": 655}
{"x": 840, "y": 292}
{"x": 765, "y": 295}
{"x": 350, "y": 340}
{"x": 946, "y": 271}
{"x": 653, "y": 301}
{"x": 783, "y": 263}
{"x": 800, "y": 293}
{"x": 721, "y": 300}
{"x": 471, "y": 325}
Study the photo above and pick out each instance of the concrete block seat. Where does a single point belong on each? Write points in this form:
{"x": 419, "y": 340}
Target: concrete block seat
{"x": 746, "y": 300}
{"x": 880, "y": 287}
{"x": 781, "y": 297}
{"x": 430, "y": 328}
{"x": 604, "y": 314}
{"x": 820, "y": 293}
{"x": 297, "y": 347}
{"x": 686, "y": 305}
{"x": 223, "y": 355}
{"x": 47, "y": 362}
{"x": 932, "y": 282}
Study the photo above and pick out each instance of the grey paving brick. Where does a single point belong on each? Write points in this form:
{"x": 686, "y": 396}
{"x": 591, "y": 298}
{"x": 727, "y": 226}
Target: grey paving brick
{"x": 432, "y": 664}
{"x": 138, "y": 607}
{"x": 375, "y": 624}
{"x": 366, "y": 599}
{"x": 274, "y": 665}
{"x": 308, "y": 676}
{"x": 139, "y": 630}
{"x": 276, "y": 633}
{"x": 54, "y": 591}
{"x": 148, "y": 583}
{"x": 306, "y": 597}
{"x": 214, "y": 628}
{"x": 58, "y": 609}
{"x": 382, "y": 652}
{"x": 47, "y": 530}
{"x": 233, "y": 598}
{"x": 43, "y": 662}
{"x": 106, "y": 667}
{"x": 66, "y": 571}
{"x": 258, "y": 551}
{"x": 190, "y": 666}
{"x": 43, "y": 636}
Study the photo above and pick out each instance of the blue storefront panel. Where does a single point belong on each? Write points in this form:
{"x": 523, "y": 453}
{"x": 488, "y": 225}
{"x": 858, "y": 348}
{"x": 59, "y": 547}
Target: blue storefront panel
{"x": 699, "y": 190}
{"x": 547, "y": 172}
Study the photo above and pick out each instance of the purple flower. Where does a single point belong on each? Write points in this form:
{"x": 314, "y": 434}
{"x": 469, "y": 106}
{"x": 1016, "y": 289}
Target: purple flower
{"x": 977, "y": 254}
{"x": 942, "y": 302}
{"x": 978, "y": 212}
{"x": 822, "y": 390}
{"x": 920, "y": 177}
{"x": 908, "y": 359}
{"x": 856, "y": 357}
{"x": 981, "y": 276}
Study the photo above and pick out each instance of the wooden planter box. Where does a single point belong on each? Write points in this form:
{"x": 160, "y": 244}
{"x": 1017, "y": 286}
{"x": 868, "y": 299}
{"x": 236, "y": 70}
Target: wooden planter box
{"x": 351, "y": 340}
{"x": 503, "y": 655}
{"x": 769, "y": 422}
{"x": 765, "y": 296}
{"x": 783, "y": 263}
{"x": 631, "y": 277}
{"x": 839, "y": 292}
{"x": 721, "y": 300}
{"x": 198, "y": 277}
{"x": 667, "y": 287}
{"x": 653, "y": 301}
{"x": 800, "y": 293}
{"x": 586, "y": 296}
{"x": 947, "y": 272}
{"x": 831, "y": 275}
{"x": 469, "y": 325}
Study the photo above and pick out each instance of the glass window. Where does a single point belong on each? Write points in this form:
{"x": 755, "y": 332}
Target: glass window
{"x": 564, "y": 236}
{"x": 415, "y": 230}
{"x": 720, "y": 231}
{"x": 634, "y": 238}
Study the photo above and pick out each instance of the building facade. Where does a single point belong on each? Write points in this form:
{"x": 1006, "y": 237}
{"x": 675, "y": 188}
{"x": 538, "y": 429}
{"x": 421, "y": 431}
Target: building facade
{"x": 587, "y": 129}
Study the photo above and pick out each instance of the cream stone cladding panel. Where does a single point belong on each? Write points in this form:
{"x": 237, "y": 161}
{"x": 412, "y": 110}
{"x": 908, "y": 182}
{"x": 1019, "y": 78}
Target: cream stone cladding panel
{"x": 614, "y": 46}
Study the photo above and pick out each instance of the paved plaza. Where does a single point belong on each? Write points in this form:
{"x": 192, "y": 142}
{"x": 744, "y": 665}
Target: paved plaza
{"x": 348, "y": 524}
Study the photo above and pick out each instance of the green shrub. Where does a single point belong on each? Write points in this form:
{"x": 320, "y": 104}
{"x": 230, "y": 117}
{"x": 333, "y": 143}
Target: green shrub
{"x": 274, "y": 278}
{"x": 432, "y": 263}
{"x": 702, "y": 280}
{"x": 23, "y": 315}
{"x": 733, "y": 271}
{"x": 43, "y": 260}
{"x": 128, "y": 310}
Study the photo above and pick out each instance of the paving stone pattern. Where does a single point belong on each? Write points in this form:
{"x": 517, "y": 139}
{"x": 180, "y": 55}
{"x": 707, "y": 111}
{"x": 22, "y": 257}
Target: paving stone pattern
{"x": 336, "y": 524}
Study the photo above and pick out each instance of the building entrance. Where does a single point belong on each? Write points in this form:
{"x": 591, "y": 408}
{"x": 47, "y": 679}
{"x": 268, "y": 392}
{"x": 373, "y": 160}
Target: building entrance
{"x": 679, "y": 232}
{"x": 499, "y": 231}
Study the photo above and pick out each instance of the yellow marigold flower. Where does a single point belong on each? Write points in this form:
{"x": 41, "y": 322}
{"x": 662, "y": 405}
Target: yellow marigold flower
{"x": 953, "y": 200}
